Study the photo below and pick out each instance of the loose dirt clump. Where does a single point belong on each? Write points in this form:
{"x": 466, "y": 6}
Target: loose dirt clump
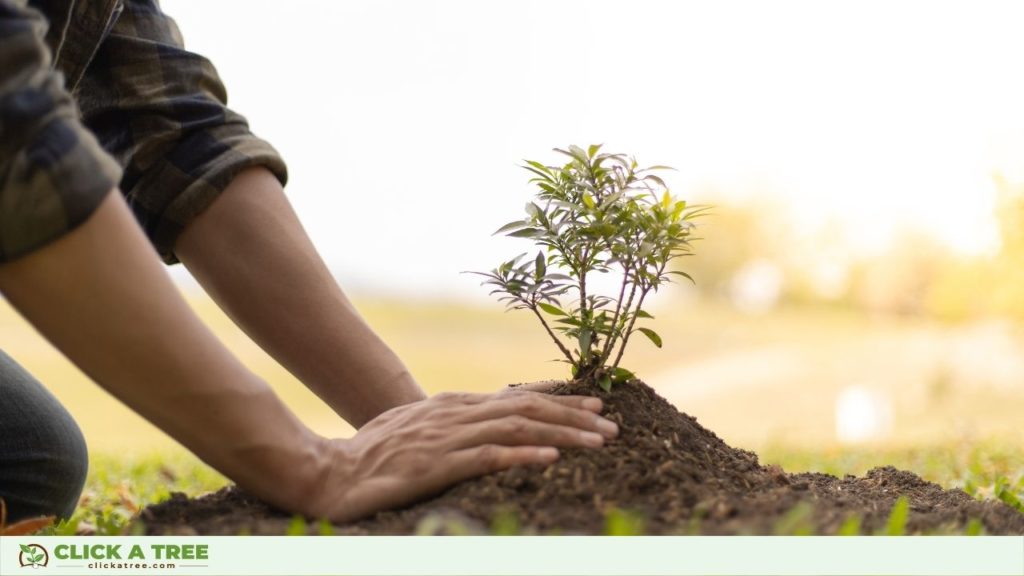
{"x": 664, "y": 469}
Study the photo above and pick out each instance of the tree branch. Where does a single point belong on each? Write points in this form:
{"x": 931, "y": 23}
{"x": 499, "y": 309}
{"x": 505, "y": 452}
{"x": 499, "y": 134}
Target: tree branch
{"x": 609, "y": 344}
{"x": 629, "y": 330}
{"x": 565, "y": 351}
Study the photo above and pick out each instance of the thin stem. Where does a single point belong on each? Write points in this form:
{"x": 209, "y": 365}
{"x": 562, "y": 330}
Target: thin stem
{"x": 632, "y": 321}
{"x": 615, "y": 318}
{"x": 565, "y": 351}
{"x": 584, "y": 266}
{"x": 629, "y": 303}
{"x": 629, "y": 330}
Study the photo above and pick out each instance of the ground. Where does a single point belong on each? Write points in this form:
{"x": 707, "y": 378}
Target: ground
{"x": 116, "y": 492}
{"x": 766, "y": 383}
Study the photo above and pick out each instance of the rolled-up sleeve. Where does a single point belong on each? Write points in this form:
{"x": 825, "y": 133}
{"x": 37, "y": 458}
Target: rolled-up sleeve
{"x": 53, "y": 172}
{"x": 161, "y": 111}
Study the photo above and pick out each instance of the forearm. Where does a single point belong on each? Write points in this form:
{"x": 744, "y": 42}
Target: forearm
{"x": 250, "y": 253}
{"x": 101, "y": 296}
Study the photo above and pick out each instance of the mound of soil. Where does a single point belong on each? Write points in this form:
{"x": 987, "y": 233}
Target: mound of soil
{"x": 664, "y": 468}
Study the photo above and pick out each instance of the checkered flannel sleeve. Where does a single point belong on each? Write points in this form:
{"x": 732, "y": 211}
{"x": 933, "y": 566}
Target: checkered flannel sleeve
{"x": 53, "y": 172}
{"x": 162, "y": 112}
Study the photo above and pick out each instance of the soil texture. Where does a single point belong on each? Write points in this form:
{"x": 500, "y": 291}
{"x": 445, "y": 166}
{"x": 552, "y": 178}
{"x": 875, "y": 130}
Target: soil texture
{"x": 664, "y": 474}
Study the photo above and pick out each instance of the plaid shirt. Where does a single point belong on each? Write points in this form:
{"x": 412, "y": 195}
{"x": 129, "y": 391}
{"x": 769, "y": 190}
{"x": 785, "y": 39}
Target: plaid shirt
{"x": 101, "y": 93}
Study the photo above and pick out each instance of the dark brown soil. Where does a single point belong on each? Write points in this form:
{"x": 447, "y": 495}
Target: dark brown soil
{"x": 664, "y": 468}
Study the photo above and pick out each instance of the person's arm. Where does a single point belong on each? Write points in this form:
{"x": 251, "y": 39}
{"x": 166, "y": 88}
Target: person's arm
{"x": 251, "y": 254}
{"x": 75, "y": 263}
{"x": 101, "y": 296}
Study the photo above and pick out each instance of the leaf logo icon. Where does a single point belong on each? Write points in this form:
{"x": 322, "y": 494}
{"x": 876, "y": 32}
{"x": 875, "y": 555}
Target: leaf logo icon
{"x": 33, "y": 555}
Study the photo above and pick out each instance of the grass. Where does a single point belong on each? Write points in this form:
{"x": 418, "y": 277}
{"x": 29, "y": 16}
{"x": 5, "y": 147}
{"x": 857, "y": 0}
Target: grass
{"x": 985, "y": 470}
{"x": 119, "y": 487}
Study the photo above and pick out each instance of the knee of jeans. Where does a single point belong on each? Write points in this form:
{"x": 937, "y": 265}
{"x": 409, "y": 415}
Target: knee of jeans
{"x": 75, "y": 469}
{"x": 67, "y": 466}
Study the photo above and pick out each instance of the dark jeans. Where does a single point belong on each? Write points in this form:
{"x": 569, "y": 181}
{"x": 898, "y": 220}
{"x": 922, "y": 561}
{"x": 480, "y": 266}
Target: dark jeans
{"x": 43, "y": 459}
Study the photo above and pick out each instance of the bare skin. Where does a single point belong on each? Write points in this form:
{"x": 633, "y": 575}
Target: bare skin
{"x": 251, "y": 254}
{"x": 419, "y": 449}
{"x": 101, "y": 296}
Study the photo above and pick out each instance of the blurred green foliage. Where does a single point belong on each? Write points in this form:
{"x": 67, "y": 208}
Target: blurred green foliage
{"x": 917, "y": 275}
{"x": 987, "y": 286}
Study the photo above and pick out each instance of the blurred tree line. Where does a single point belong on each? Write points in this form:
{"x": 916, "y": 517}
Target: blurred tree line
{"x": 753, "y": 256}
{"x": 992, "y": 286}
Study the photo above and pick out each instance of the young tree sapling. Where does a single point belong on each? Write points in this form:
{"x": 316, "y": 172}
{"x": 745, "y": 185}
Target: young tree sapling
{"x": 597, "y": 213}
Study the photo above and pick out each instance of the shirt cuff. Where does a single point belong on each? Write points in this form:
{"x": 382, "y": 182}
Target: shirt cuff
{"x": 51, "y": 185}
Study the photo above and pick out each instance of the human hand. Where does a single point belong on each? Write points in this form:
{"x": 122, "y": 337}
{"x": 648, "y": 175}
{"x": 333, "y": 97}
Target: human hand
{"x": 419, "y": 449}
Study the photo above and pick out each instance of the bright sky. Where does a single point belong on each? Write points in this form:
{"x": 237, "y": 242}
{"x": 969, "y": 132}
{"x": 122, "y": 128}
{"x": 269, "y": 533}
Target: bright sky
{"x": 403, "y": 121}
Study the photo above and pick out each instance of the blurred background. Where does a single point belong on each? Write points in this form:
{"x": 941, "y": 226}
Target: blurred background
{"x": 859, "y": 285}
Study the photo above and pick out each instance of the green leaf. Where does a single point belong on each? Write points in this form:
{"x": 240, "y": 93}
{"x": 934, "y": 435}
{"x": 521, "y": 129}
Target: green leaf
{"x": 527, "y": 233}
{"x": 550, "y": 309}
{"x": 897, "y": 523}
{"x": 595, "y": 212}
{"x": 324, "y": 528}
{"x": 678, "y": 210}
{"x": 297, "y": 527}
{"x": 850, "y": 527}
{"x": 1008, "y": 497}
{"x": 621, "y": 375}
{"x": 541, "y": 175}
{"x": 574, "y": 152}
{"x": 612, "y": 198}
{"x": 538, "y": 166}
{"x": 510, "y": 226}
{"x": 26, "y": 549}
{"x": 578, "y": 153}
{"x": 546, "y": 187}
{"x": 684, "y": 275}
{"x": 660, "y": 182}
{"x": 970, "y": 487}
{"x": 556, "y": 276}
{"x": 697, "y": 211}
{"x": 622, "y": 523}
{"x": 605, "y": 382}
{"x": 505, "y": 523}
{"x": 544, "y": 175}
{"x": 796, "y": 522}
{"x": 652, "y": 335}
{"x": 585, "y": 338}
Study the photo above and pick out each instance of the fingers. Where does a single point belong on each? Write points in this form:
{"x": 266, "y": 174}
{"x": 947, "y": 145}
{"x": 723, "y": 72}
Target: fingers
{"x": 582, "y": 402}
{"x": 488, "y": 458}
{"x": 459, "y": 397}
{"x": 540, "y": 408}
{"x": 518, "y": 430}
